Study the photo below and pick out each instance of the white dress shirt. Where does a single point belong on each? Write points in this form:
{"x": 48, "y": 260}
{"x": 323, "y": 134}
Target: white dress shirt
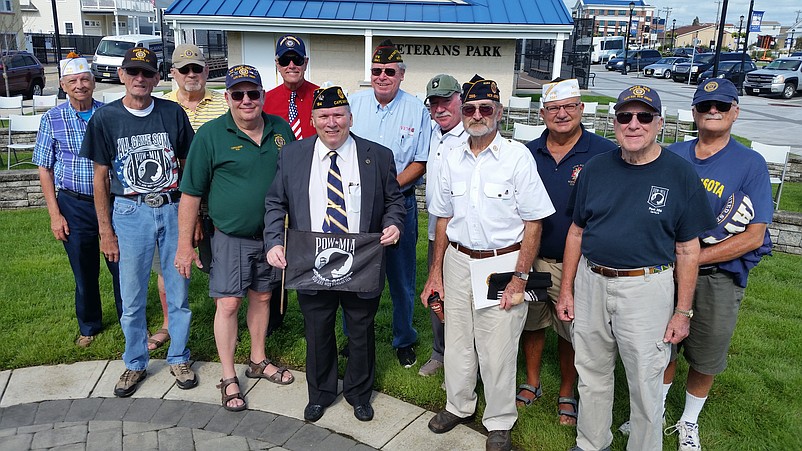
{"x": 488, "y": 197}
{"x": 441, "y": 143}
{"x": 318, "y": 191}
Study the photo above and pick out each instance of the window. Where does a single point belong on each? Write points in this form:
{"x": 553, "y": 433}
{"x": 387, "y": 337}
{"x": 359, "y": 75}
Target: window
{"x": 5, "y": 6}
{"x": 68, "y": 28}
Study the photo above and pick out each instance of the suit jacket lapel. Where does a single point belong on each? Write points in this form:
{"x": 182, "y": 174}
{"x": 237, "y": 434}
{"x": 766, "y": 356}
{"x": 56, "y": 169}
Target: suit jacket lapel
{"x": 301, "y": 191}
{"x": 367, "y": 178}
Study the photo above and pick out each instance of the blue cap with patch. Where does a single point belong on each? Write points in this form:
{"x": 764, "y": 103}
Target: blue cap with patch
{"x": 242, "y": 72}
{"x": 290, "y": 43}
{"x": 719, "y": 89}
{"x": 642, "y": 94}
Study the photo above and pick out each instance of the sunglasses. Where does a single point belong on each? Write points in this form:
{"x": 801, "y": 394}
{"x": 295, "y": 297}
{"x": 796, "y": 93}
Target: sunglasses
{"x": 133, "y": 72}
{"x": 191, "y": 67}
{"x": 253, "y": 94}
{"x": 704, "y": 107}
{"x": 643, "y": 117}
{"x": 285, "y": 60}
{"x": 377, "y": 71}
{"x": 484, "y": 110}
{"x": 569, "y": 108}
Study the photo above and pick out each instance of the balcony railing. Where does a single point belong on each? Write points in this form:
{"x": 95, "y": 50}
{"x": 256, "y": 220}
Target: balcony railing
{"x": 121, "y": 6}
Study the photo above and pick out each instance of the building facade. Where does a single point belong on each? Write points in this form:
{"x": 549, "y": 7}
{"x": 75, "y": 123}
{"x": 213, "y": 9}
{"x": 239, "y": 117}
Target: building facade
{"x": 89, "y": 17}
{"x": 611, "y": 18}
{"x": 11, "y": 36}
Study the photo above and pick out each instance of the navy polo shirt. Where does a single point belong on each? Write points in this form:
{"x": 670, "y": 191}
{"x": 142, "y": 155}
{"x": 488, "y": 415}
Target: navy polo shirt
{"x": 559, "y": 180}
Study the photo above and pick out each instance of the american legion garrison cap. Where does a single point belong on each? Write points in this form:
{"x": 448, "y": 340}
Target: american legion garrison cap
{"x": 479, "y": 89}
{"x": 330, "y": 97}
{"x": 386, "y": 53}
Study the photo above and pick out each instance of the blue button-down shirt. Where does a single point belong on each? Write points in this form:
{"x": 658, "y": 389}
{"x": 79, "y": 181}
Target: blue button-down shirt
{"x": 403, "y": 126}
{"x": 58, "y": 144}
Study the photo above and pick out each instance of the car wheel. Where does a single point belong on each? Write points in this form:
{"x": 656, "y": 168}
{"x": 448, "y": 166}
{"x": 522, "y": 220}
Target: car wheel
{"x": 667, "y": 73}
{"x": 36, "y": 89}
{"x": 788, "y": 91}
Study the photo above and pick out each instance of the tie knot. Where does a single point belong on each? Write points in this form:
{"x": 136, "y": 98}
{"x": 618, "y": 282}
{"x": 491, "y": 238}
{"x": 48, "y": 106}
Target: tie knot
{"x": 332, "y": 154}
{"x": 292, "y": 95}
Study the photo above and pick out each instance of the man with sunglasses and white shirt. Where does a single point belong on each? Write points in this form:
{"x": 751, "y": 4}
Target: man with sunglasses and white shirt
{"x": 637, "y": 215}
{"x": 489, "y": 202}
{"x": 233, "y": 161}
{"x": 293, "y": 98}
{"x": 730, "y": 171}
{"x": 138, "y": 145}
{"x": 399, "y": 121}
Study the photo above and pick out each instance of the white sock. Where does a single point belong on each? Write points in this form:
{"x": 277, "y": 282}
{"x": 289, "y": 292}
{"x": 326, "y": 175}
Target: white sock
{"x": 693, "y": 407}
{"x": 666, "y": 388}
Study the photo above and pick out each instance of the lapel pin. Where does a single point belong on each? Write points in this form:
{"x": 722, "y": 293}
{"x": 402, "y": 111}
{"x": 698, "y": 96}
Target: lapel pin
{"x": 367, "y": 160}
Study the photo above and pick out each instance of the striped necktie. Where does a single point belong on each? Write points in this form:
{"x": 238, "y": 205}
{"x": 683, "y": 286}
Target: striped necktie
{"x": 336, "y": 220}
{"x": 295, "y": 123}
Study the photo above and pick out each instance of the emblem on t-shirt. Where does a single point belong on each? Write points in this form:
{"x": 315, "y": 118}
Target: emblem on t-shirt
{"x": 658, "y": 198}
{"x": 574, "y": 174}
{"x": 146, "y": 163}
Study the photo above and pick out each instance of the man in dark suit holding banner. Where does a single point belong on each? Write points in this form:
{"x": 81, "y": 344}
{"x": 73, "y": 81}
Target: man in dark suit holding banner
{"x": 342, "y": 197}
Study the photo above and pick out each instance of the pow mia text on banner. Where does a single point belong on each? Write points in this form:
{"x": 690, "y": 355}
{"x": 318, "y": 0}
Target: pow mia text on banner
{"x": 338, "y": 262}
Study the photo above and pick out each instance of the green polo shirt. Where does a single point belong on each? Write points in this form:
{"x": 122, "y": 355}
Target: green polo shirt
{"x": 234, "y": 171}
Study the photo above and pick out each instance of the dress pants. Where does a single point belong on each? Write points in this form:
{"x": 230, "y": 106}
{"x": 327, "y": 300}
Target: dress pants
{"x": 319, "y": 312}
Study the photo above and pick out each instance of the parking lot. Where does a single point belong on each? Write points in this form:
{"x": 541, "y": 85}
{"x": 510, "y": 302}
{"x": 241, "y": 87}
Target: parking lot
{"x": 769, "y": 120}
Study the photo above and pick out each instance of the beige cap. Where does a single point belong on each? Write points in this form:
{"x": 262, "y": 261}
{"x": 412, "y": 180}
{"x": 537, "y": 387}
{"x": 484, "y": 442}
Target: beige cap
{"x": 560, "y": 90}
{"x": 188, "y": 54}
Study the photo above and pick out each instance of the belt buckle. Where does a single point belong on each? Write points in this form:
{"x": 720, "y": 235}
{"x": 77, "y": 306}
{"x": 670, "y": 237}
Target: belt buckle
{"x": 154, "y": 200}
{"x": 609, "y": 272}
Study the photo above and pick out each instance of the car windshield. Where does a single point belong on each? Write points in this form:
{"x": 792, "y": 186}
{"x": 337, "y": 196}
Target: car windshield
{"x": 113, "y": 48}
{"x": 783, "y": 65}
{"x": 703, "y": 59}
{"x": 665, "y": 61}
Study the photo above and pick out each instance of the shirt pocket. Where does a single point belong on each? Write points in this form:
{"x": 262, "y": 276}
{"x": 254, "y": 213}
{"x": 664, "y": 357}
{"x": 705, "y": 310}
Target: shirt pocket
{"x": 458, "y": 189}
{"x": 499, "y": 199}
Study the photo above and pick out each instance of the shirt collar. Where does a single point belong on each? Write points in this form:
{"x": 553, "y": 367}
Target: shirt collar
{"x": 344, "y": 152}
{"x": 390, "y": 108}
{"x": 581, "y": 146}
{"x": 494, "y": 148}
{"x": 457, "y": 131}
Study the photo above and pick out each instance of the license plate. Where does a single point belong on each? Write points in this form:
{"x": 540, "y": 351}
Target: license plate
{"x": 755, "y": 90}
{"x": 106, "y": 74}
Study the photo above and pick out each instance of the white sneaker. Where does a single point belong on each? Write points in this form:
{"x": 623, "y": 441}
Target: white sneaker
{"x": 625, "y": 426}
{"x": 688, "y": 435}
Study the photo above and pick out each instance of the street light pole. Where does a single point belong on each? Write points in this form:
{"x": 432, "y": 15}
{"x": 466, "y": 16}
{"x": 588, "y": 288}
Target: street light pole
{"x": 629, "y": 30}
{"x": 738, "y": 41}
{"x": 673, "y": 34}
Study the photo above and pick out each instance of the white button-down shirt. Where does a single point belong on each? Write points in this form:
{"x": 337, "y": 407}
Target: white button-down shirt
{"x": 488, "y": 197}
{"x": 318, "y": 190}
{"x": 441, "y": 143}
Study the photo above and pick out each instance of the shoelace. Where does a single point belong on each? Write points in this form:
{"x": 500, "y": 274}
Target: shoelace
{"x": 129, "y": 375}
{"x": 183, "y": 368}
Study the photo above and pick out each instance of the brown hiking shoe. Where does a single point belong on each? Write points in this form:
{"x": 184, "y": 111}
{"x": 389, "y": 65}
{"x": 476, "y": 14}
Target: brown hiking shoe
{"x": 184, "y": 376}
{"x": 129, "y": 382}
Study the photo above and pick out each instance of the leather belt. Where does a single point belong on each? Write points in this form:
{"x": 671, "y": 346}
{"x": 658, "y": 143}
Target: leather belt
{"x": 708, "y": 270}
{"x": 156, "y": 200}
{"x": 485, "y": 253}
{"x": 78, "y": 196}
{"x": 258, "y": 237}
{"x": 612, "y": 272}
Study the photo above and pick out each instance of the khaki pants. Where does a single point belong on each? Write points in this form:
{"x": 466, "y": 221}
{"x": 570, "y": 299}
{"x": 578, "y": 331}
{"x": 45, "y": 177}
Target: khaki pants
{"x": 495, "y": 333}
{"x": 626, "y": 316}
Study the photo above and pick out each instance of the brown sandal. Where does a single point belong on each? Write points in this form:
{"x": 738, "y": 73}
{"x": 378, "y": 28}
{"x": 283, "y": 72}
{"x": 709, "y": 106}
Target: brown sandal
{"x": 156, "y": 342}
{"x": 257, "y": 370}
{"x": 224, "y": 383}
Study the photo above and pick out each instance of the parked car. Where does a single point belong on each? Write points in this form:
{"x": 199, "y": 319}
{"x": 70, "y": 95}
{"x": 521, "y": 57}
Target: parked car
{"x": 782, "y": 76}
{"x": 731, "y": 70}
{"x": 664, "y": 67}
{"x": 26, "y": 75}
{"x": 684, "y": 51}
{"x": 637, "y": 59}
{"x": 796, "y": 54}
{"x": 703, "y": 62}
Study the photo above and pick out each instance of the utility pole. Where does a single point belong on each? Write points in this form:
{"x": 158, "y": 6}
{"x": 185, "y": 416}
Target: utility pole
{"x": 718, "y": 11}
{"x": 665, "y": 26}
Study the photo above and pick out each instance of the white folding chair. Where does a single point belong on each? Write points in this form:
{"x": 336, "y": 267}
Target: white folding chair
{"x": 526, "y": 133}
{"x": 109, "y": 97}
{"x": 516, "y": 108}
{"x": 688, "y": 138}
{"x": 589, "y": 115}
{"x": 21, "y": 124}
{"x": 663, "y": 113}
{"x": 778, "y": 156}
{"x": 158, "y": 94}
{"x": 608, "y": 120}
{"x": 685, "y": 117}
{"x": 9, "y": 106}
{"x": 44, "y": 103}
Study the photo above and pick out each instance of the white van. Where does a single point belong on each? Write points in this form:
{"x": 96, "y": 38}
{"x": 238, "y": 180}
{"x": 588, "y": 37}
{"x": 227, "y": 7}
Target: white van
{"x": 111, "y": 50}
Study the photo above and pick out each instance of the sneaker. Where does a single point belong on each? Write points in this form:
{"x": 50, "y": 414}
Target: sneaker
{"x": 84, "y": 341}
{"x": 184, "y": 376}
{"x": 625, "y": 426}
{"x": 688, "y": 435}
{"x": 430, "y": 368}
{"x": 406, "y": 356}
{"x": 129, "y": 382}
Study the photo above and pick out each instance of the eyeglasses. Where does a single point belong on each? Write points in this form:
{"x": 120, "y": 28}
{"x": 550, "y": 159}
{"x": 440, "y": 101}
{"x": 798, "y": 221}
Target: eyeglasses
{"x": 643, "y": 117}
{"x": 253, "y": 94}
{"x": 568, "y": 107}
{"x": 285, "y": 60}
{"x": 377, "y": 71}
{"x": 484, "y": 110}
{"x": 134, "y": 71}
{"x": 191, "y": 67}
{"x": 704, "y": 107}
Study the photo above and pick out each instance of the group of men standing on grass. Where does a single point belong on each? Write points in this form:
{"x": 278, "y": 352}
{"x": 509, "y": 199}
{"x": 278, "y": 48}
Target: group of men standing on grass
{"x": 644, "y": 259}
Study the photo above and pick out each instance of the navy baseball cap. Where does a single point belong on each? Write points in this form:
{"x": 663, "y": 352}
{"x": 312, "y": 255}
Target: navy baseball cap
{"x": 719, "y": 89}
{"x": 290, "y": 43}
{"x": 241, "y": 73}
{"x": 642, "y": 94}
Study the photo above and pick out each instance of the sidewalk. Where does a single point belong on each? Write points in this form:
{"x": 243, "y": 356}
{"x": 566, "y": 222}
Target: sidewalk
{"x": 76, "y": 409}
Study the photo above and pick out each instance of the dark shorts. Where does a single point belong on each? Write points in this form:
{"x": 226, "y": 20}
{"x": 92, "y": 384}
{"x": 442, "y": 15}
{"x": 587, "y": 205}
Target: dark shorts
{"x": 716, "y": 303}
{"x": 238, "y": 265}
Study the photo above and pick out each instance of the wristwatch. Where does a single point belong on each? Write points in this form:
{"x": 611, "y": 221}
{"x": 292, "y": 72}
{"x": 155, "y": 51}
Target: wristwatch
{"x": 686, "y": 313}
{"x": 521, "y": 275}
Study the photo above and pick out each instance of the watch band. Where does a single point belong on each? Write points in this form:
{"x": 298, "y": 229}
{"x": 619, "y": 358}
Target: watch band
{"x": 521, "y": 275}
{"x": 686, "y": 313}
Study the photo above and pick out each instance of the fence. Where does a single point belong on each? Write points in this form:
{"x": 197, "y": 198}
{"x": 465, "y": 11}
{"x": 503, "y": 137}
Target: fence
{"x": 44, "y": 45}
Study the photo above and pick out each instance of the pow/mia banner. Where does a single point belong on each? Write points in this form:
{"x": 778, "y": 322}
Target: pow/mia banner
{"x": 329, "y": 261}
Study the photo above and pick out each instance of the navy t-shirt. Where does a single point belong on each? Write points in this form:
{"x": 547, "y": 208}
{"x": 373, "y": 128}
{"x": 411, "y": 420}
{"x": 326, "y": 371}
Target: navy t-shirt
{"x": 143, "y": 152}
{"x": 633, "y": 215}
{"x": 559, "y": 180}
{"x": 735, "y": 168}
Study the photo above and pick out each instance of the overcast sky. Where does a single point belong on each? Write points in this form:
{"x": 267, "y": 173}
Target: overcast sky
{"x": 783, "y": 11}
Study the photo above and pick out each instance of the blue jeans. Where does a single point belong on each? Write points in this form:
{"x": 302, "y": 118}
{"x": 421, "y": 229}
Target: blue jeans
{"x": 139, "y": 230}
{"x": 401, "y": 268}
{"x": 83, "y": 251}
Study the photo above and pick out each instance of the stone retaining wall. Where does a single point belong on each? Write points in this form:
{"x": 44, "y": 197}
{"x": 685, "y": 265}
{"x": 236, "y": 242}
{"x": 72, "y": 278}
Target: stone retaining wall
{"x": 21, "y": 189}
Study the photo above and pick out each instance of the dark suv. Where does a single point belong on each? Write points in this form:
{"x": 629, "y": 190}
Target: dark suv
{"x": 26, "y": 75}
{"x": 733, "y": 71}
{"x": 703, "y": 62}
{"x": 637, "y": 59}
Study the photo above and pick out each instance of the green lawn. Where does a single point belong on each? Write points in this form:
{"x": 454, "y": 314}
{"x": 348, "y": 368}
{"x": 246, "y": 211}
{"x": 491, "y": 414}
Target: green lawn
{"x": 753, "y": 405}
